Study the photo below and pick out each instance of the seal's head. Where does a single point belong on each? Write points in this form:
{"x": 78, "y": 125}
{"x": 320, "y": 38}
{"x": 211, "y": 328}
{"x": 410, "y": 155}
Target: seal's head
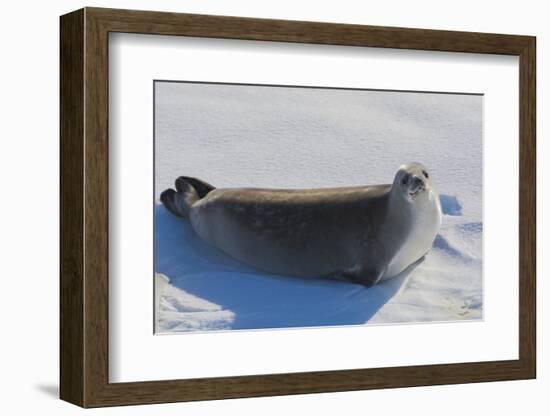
{"x": 413, "y": 181}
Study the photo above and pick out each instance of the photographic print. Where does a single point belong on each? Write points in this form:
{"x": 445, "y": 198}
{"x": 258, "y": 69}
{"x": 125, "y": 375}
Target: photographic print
{"x": 295, "y": 206}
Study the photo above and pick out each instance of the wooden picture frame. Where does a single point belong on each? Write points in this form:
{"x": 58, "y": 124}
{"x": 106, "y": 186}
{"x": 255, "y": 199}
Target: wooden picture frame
{"x": 84, "y": 207}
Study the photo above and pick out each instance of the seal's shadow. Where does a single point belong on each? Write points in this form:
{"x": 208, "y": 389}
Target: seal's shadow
{"x": 260, "y": 300}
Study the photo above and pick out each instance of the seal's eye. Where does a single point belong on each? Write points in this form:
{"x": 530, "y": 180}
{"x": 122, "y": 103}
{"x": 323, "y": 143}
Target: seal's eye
{"x": 405, "y": 179}
{"x": 425, "y": 174}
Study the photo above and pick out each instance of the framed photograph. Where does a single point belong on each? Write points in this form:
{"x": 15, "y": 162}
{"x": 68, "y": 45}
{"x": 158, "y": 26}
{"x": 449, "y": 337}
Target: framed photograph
{"x": 254, "y": 207}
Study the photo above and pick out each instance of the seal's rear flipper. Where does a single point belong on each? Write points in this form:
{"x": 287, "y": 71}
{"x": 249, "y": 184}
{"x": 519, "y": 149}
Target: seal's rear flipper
{"x": 202, "y": 188}
{"x": 167, "y": 199}
{"x": 179, "y": 202}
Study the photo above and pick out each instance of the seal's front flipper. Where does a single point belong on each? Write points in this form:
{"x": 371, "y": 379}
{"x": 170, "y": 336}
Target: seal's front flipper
{"x": 368, "y": 276}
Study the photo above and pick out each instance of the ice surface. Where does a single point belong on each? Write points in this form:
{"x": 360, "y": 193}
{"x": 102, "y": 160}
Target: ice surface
{"x": 235, "y": 136}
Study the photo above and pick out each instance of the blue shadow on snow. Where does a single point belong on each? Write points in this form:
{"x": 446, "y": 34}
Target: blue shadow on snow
{"x": 257, "y": 299}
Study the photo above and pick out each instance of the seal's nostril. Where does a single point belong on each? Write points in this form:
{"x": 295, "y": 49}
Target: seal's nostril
{"x": 417, "y": 181}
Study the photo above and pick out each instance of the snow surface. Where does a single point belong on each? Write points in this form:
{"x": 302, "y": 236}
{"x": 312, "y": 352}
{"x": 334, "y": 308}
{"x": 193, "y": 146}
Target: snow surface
{"x": 280, "y": 137}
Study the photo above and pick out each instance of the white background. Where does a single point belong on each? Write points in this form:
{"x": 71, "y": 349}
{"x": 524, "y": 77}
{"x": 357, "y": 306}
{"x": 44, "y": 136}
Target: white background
{"x": 29, "y": 213}
{"x": 295, "y": 350}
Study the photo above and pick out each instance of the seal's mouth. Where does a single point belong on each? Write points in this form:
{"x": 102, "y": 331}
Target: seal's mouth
{"x": 418, "y": 186}
{"x": 416, "y": 191}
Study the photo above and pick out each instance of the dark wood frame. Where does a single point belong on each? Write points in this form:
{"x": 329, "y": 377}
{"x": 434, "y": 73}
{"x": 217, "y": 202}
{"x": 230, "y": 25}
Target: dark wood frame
{"x": 84, "y": 207}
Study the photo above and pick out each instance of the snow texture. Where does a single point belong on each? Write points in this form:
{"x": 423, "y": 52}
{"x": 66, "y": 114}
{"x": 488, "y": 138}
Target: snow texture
{"x": 283, "y": 137}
